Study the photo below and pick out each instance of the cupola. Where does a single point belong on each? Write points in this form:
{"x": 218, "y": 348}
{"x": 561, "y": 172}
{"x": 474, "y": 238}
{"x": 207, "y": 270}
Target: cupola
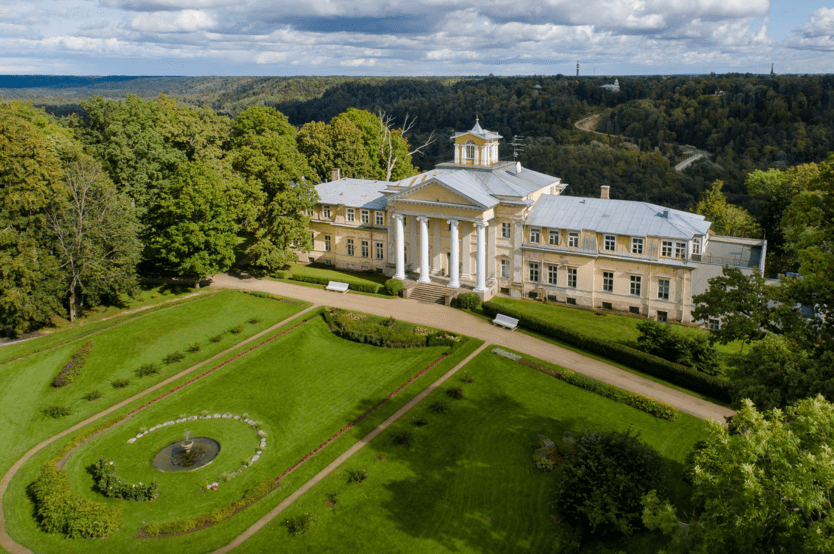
{"x": 477, "y": 147}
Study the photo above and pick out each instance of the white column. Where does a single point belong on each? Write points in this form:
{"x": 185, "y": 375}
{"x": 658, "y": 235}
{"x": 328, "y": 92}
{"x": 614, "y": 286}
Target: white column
{"x": 454, "y": 278}
{"x": 400, "y": 273}
{"x": 424, "y": 250}
{"x": 481, "y": 258}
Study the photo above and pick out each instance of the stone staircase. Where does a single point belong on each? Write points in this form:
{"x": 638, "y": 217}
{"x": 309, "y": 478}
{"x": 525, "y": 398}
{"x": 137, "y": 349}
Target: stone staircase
{"x": 429, "y": 293}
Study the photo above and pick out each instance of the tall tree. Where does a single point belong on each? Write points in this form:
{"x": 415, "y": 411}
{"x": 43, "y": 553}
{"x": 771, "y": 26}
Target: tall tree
{"x": 727, "y": 219}
{"x": 196, "y": 228}
{"x": 338, "y": 144}
{"x": 386, "y": 147}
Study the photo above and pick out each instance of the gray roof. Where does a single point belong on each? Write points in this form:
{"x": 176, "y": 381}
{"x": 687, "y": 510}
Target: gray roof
{"x": 619, "y": 217}
{"x": 354, "y": 193}
{"x": 478, "y": 132}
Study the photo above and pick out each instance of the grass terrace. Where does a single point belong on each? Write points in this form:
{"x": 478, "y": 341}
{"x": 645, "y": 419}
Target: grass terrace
{"x": 467, "y": 482}
{"x": 316, "y": 275}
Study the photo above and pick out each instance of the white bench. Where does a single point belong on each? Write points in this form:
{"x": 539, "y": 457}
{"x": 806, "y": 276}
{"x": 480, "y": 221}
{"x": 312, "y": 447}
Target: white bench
{"x": 337, "y": 286}
{"x": 505, "y": 321}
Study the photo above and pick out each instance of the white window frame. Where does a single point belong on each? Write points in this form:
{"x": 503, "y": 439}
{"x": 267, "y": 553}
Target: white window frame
{"x": 535, "y": 235}
{"x": 608, "y": 281}
{"x": 553, "y": 237}
{"x": 680, "y": 250}
{"x": 573, "y": 239}
{"x": 325, "y": 212}
{"x": 469, "y": 150}
{"x": 327, "y": 243}
{"x": 365, "y": 248}
{"x": 636, "y": 285}
{"x": 666, "y": 248}
{"x": 552, "y": 275}
{"x": 350, "y": 247}
{"x": 505, "y": 269}
{"x": 534, "y": 272}
{"x": 506, "y": 230}
{"x": 609, "y": 241}
{"x": 637, "y": 245}
{"x": 365, "y": 216}
{"x": 379, "y": 219}
{"x": 572, "y": 277}
{"x": 380, "y": 250}
{"x": 713, "y": 324}
{"x": 696, "y": 245}
{"x": 663, "y": 288}
{"x": 350, "y": 214}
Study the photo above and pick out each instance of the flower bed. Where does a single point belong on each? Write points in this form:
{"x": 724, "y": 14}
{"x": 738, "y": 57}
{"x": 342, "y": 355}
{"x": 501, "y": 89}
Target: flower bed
{"x": 385, "y": 332}
{"x": 112, "y": 486}
{"x": 651, "y": 406}
{"x": 73, "y": 368}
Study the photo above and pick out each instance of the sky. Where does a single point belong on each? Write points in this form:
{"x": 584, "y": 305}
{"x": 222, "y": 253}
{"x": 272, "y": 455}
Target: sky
{"x": 414, "y": 37}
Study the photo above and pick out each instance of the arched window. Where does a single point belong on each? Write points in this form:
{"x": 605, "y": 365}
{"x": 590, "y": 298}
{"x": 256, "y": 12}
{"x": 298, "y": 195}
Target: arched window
{"x": 470, "y": 151}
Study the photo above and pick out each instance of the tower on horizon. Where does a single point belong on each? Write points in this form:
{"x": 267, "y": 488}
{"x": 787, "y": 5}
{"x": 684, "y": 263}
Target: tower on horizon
{"x": 577, "y": 69}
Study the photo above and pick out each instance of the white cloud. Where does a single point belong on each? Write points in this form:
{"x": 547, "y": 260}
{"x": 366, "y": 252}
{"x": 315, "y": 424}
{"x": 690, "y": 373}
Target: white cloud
{"x": 166, "y": 22}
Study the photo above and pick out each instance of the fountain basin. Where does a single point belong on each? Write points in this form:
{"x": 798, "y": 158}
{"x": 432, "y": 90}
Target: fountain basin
{"x": 177, "y": 457}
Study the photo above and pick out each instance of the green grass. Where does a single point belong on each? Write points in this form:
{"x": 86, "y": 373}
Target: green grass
{"x": 25, "y": 388}
{"x": 599, "y": 324}
{"x": 303, "y": 387}
{"x": 468, "y": 483}
{"x": 335, "y": 274}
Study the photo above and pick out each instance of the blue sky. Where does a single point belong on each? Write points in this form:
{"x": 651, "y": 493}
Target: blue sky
{"x": 414, "y": 37}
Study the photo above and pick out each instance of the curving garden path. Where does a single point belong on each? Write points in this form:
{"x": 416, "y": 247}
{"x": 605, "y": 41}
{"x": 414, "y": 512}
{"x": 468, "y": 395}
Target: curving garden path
{"x": 432, "y": 315}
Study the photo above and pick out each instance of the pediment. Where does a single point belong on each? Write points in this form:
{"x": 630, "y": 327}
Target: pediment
{"x": 433, "y": 191}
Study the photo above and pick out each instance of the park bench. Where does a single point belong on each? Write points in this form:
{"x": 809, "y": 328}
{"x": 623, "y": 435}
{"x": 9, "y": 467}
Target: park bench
{"x": 505, "y": 321}
{"x": 337, "y": 286}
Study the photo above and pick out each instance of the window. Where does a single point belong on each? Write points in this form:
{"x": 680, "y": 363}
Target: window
{"x": 662, "y": 316}
{"x": 608, "y": 281}
{"x": 310, "y": 211}
{"x": 666, "y": 249}
{"x": 610, "y": 242}
{"x": 350, "y": 247}
{"x": 405, "y": 253}
{"x": 470, "y": 150}
{"x": 365, "y": 249}
{"x": 505, "y": 269}
{"x": 553, "y": 237}
{"x": 379, "y": 250}
{"x": 573, "y": 239}
{"x": 552, "y": 278}
{"x": 505, "y": 230}
{"x": 351, "y": 214}
{"x": 325, "y": 211}
{"x": 380, "y": 218}
{"x": 636, "y": 246}
{"x": 696, "y": 245}
{"x": 571, "y": 301}
{"x": 572, "y": 277}
{"x": 607, "y": 306}
{"x": 365, "y": 216}
{"x": 534, "y": 235}
{"x": 713, "y": 324}
{"x": 663, "y": 289}
{"x": 534, "y": 272}
{"x": 636, "y": 282}
{"x": 680, "y": 249}
{"x": 327, "y": 243}
{"x": 634, "y": 310}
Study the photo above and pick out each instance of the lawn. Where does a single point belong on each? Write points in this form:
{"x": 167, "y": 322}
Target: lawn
{"x": 303, "y": 387}
{"x": 468, "y": 482}
{"x": 145, "y": 337}
{"x": 601, "y": 325}
{"x": 332, "y": 274}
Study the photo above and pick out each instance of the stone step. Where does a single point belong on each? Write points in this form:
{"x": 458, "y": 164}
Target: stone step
{"x": 430, "y": 294}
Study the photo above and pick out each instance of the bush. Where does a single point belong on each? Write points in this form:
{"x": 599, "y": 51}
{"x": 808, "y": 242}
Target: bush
{"x": 693, "y": 351}
{"x": 237, "y": 329}
{"x": 422, "y": 422}
{"x": 73, "y": 367}
{"x": 357, "y": 475}
{"x": 194, "y": 348}
{"x": 147, "y": 369}
{"x": 120, "y": 383}
{"x": 110, "y": 485}
{"x": 604, "y": 479}
{"x": 354, "y": 285}
{"x": 282, "y": 274}
{"x": 403, "y": 438}
{"x": 373, "y": 330}
{"x": 454, "y": 392}
{"x": 299, "y": 525}
{"x": 254, "y": 321}
{"x": 466, "y": 378}
{"x": 469, "y": 301}
{"x": 173, "y": 358}
{"x": 653, "y": 365}
{"x": 57, "y": 412}
{"x": 393, "y": 287}
{"x": 60, "y": 511}
{"x": 92, "y": 395}
{"x": 260, "y": 294}
{"x": 216, "y": 338}
{"x": 439, "y": 407}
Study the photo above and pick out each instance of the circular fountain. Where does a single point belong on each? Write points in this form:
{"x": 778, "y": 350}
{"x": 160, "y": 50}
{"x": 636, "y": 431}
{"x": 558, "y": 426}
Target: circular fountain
{"x": 187, "y": 455}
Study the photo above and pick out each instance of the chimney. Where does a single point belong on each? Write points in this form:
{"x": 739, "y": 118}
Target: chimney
{"x": 335, "y": 174}
{"x": 604, "y": 192}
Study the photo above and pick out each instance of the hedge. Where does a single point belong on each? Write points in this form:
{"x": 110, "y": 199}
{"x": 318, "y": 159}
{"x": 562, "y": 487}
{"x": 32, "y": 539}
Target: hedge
{"x": 73, "y": 368}
{"x": 354, "y": 285}
{"x": 653, "y": 365}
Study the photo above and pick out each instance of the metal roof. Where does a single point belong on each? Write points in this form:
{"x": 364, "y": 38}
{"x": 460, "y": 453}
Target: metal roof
{"x": 354, "y": 193}
{"x": 620, "y": 217}
{"x": 478, "y": 132}
{"x": 465, "y": 184}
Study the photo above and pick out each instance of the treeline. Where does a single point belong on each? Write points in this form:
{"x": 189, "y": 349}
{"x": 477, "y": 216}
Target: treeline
{"x": 156, "y": 187}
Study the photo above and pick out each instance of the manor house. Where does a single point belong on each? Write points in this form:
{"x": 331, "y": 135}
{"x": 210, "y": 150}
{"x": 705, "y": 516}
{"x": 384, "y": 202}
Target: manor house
{"x": 491, "y": 226}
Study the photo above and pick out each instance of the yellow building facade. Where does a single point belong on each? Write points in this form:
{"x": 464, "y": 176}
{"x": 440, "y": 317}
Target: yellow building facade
{"x": 493, "y": 227}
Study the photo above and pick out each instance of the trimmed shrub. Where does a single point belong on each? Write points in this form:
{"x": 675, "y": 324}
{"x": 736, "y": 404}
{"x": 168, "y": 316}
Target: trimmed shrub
{"x": 439, "y": 407}
{"x": 173, "y": 358}
{"x": 112, "y": 486}
{"x": 60, "y": 511}
{"x": 403, "y": 438}
{"x": 120, "y": 383}
{"x": 357, "y": 475}
{"x": 455, "y": 392}
{"x": 299, "y": 525}
{"x": 469, "y": 301}
{"x": 237, "y": 329}
{"x": 254, "y": 321}
{"x": 653, "y": 365}
{"x": 695, "y": 351}
{"x": 92, "y": 395}
{"x": 216, "y": 338}
{"x": 73, "y": 367}
{"x": 260, "y": 294}
{"x": 282, "y": 274}
{"x": 147, "y": 369}
{"x": 193, "y": 348}
{"x": 56, "y": 412}
{"x": 393, "y": 287}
